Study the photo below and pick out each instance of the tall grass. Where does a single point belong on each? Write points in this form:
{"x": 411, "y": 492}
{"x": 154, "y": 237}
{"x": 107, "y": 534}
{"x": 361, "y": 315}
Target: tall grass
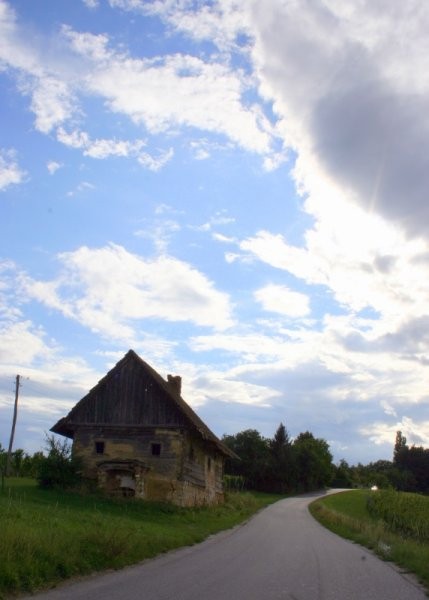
{"x": 366, "y": 518}
{"x": 47, "y": 536}
{"x": 403, "y": 513}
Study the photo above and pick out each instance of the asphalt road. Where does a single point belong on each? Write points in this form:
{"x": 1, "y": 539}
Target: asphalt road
{"x": 282, "y": 553}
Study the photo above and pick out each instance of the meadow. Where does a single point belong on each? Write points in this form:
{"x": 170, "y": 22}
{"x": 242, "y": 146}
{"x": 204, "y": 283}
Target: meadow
{"x": 395, "y": 525}
{"x": 48, "y": 536}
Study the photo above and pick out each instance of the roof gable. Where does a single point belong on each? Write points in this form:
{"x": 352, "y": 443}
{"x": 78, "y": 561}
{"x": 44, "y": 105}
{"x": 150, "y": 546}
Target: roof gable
{"x": 133, "y": 393}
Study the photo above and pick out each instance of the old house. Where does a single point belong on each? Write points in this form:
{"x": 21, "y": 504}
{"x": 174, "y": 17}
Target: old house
{"x": 137, "y": 436}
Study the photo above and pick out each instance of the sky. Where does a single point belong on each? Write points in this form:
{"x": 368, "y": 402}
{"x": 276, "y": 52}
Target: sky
{"x": 235, "y": 189}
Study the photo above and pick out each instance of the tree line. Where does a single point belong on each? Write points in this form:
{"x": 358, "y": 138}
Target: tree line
{"x": 279, "y": 464}
{"x": 22, "y": 464}
{"x": 283, "y": 465}
{"x": 408, "y": 471}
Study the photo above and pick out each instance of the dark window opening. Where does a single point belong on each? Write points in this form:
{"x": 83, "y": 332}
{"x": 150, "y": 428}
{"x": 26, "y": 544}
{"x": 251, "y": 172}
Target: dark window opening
{"x": 209, "y": 463}
{"x": 156, "y": 449}
{"x": 99, "y": 447}
{"x": 191, "y": 453}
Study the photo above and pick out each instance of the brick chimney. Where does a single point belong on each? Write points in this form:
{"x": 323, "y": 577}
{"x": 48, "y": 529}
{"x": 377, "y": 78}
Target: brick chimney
{"x": 176, "y": 382}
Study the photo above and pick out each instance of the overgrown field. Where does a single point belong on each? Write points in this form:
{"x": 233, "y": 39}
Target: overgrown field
{"x": 403, "y": 513}
{"x": 47, "y": 536}
{"x": 393, "y": 524}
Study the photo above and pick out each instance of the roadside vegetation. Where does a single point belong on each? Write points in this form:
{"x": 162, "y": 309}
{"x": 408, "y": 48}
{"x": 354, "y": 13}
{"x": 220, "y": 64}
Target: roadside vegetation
{"x": 48, "y": 535}
{"x": 54, "y": 526}
{"x": 280, "y": 464}
{"x": 392, "y": 524}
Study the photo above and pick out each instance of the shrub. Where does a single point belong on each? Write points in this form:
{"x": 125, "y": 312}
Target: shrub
{"x": 59, "y": 469}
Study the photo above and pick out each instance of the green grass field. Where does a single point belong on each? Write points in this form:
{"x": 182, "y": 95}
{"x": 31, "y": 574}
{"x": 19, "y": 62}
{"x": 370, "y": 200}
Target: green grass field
{"x": 48, "y": 536}
{"x": 392, "y": 524}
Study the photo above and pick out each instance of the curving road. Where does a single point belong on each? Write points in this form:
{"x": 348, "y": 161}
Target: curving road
{"x": 282, "y": 553}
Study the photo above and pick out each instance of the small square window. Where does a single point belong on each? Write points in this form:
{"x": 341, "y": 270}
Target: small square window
{"x": 99, "y": 447}
{"x": 156, "y": 449}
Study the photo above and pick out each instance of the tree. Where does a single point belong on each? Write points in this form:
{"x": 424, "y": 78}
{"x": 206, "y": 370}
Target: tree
{"x": 313, "y": 462}
{"x": 342, "y": 477}
{"x": 32, "y": 468}
{"x": 411, "y": 473}
{"x": 377, "y": 473}
{"x": 59, "y": 468}
{"x": 418, "y": 466}
{"x": 16, "y": 461}
{"x": 400, "y": 451}
{"x": 282, "y": 464}
{"x": 253, "y": 451}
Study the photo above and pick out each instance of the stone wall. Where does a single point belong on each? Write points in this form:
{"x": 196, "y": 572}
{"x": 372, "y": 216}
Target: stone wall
{"x": 159, "y": 464}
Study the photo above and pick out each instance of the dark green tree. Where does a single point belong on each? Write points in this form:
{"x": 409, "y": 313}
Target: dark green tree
{"x": 411, "y": 473}
{"x": 253, "y": 451}
{"x": 282, "y": 464}
{"x": 418, "y": 466}
{"x": 400, "y": 451}
{"x": 342, "y": 476}
{"x": 313, "y": 462}
{"x": 377, "y": 473}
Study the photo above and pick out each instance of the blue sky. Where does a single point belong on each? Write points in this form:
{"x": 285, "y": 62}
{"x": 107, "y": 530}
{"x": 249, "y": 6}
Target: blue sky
{"x": 236, "y": 190}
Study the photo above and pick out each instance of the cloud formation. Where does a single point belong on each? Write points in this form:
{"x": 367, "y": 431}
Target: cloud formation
{"x": 208, "y": 94}
{"x": 10, "y": 171}
{"x": 320, "y": 305}
{"x": 340, "y": 80}
{"x": 107, "y": 289}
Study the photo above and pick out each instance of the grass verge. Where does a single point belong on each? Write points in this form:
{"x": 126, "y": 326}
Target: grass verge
{"x": 346, "y": 514}
{"x": 49, "y": 536}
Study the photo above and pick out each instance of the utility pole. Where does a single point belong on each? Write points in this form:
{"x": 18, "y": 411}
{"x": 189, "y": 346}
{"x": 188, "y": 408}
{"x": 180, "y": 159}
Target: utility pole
{"x": 12, "y": 433}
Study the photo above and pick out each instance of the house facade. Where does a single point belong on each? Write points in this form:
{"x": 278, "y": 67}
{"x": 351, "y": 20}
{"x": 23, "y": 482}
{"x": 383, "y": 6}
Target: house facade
{"x": 136, "y": 436}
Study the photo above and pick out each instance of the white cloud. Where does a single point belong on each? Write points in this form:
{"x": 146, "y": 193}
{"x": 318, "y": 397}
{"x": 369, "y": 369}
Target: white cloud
{"x": 209, "y": 94}
{"x": 100, "y": 148}
{"x": 159, "y": 233}
{"x": 362, "y": 260}
{"x": 83, "y": 186}
{"x": 219, "y": 22}
{"x": 163, "y": 288}
{"x": 22, "y": 343}
{"x": 52, "y": 102}
{"x": 53, "y": 166}
{"x": 10, "y": 172}
{"x": 91, "y": 3}
{"x": 381, "y": 433}
{"x": 349, "y": 104}
{"x": 220, "y": 218}
{"x": 251, "y": 346}
{"x": 219, "y": 237}
{"x": 219, "y": 387}
{"x": 155, "y": 163}
{"x": 280, "y": 299}
{"x": 105, "y": 148}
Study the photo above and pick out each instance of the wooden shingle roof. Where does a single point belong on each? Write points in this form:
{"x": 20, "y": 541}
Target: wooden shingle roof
{"x": 67, "y": 425}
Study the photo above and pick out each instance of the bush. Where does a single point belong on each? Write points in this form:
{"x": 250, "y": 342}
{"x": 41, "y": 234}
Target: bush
{"x": 59, "y": 469}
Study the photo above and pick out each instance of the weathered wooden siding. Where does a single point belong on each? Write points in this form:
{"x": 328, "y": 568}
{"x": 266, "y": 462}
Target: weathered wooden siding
{"x": 128, "y": 396}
